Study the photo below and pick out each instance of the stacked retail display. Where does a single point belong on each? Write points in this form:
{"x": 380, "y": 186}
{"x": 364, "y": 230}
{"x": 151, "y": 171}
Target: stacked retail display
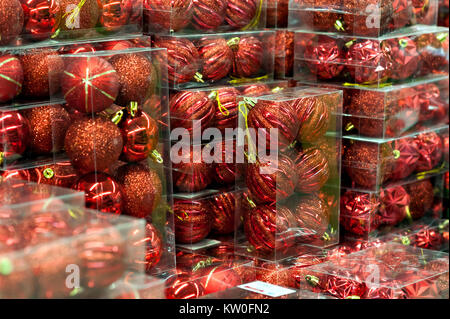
{"x": 241, "y": 149}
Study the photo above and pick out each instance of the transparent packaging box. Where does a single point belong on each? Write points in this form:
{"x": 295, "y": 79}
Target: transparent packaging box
{"x": 224, "y": 58}
{"x": 370, "y": 163}
{"x": 370, "y": 19}
{"x": 372, "y": 214}
{"x": 195, "y": 16}
{"x": 370, "y": 62}
{"x": 31, "y": 21}
{"x": 136, "y": 286}
{"x": 284, "y": 53}
{"x": 277, "y": 14}
{"x": 391, "y": 271}
{"x": 292, "y": 142}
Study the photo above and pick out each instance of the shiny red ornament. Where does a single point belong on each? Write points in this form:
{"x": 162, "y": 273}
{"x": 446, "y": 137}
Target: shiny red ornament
{"x": 314, "y": 118}
{"x": 255, "y": 90}
{"x": 240, "y": 13}
{"x": 152, "y": 242}
{"x": 271, "y": 181}
{"x": 402, "y": 14}
{"x": 216, "y": 56}
{"x": 248, "y": 55}
{"x": 182, "y": 286}
{"x": 430, "y": 151}
{"x": 394, "y": 206}
{"x": 219, "y": 278}
{"x": 312, "y": 215}
{"x": 61, "y": 174}
{"x": 224, "y": 212}
{"x": 445, "y": 147}
{"x": 403, "y": 55}
{"x": 119, "y": 45}
{"x": 406, "y": 155}
{"x": 323, "y": 57}
{"x": 190, "y": 172}
{"x": 167, "y": 15}
{"x": 102, "y": 192}
{"x": 78, "y": 49}
{"x": 428, "y": 98}
{"x": 43, "y": 227}
{"x": 11, "y": 77}
{"x": 312, "y": 169}
{"x": 11, "y": 21}
{"x": 343, "y": 288}
{"x": 40, "y": 18}
{"x": 427, "y": 238}
{"x": 14, "y": 134}
{"x": 208, "y": 14}
{"x": 422, "y": 197}
{"x": 193, "y": 220}
{"x": 114, "y": 15}
{"x": 90, "y": 84}
{"x": 227, "y": 170}
{"x": 227, "y": 109}
{"x": 274, "y": 274}
{"x": 308, "y": 257}
{"x": 76, "y": 17}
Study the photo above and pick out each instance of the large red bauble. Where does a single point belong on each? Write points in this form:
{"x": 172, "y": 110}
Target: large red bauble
{"x": 41, "y": 70}
{"x": 182, "y": 286}
{"x": 189, "y": 174}
{"x": 208, "y": 14}
{"x": 314, "y": 118}
{"x": 93, "y": 144}
{"x": 152, "y": 242}
{"x": 90, "y": 84}
{"x": 76, "y": 17}
{"x": 227, "y": 170}
{"x": 193, "y": 220}
{"x": 394, "y": 205}
{"x": 140, "y": 136}
{"x": 430, "y": 151}
{"x": 224, "y": 208}
{"x": 269, "y": 228}
{"x": 189, "y": 106}
{"x": 268, "y": 117}
{"x": 216, "y": 56}
{"x": 403, "y": 55}
{"x": 48, "y": 127}
{"x": 167, "y": 15}
{"x": 240, "y": 13}
{"x": 406, "y": 155}
{"x": 433, "y": 49}
{"x": 422, "y": 197}
{"x": 137, "y": 78}
{"x": 312, "y": 215}
{"x": 102, "y": 192}
{"x": 248, "y": 56}
{"x": 141, "y": 189}
{"x": 40, "y": 18}
{"x": 183, "y": 60}
{"x": 312, "y": 170}
{"x": 14, "y": 134}
{"x": 11, "y": 77}
{"x": 359, "y": 212}
{"x": 114, "y": 14}
{"x": 219, "y": 278}
{"x": 271, "y": 181}
{"x": 227, "y": 109}
{"x": 11, "y": 21}
{"x": 61, "y": 174}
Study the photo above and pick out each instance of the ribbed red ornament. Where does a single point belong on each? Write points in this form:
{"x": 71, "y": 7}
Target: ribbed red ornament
{"x": 193, "y": 220}
{"x": 248, "y": 56}
{"x": 190, "y": 175}
{"x": 208, "y": 14}
{"x": 216, "y": 56}
{"x": 240, "y": 13}
{"x": 167, "y": 15}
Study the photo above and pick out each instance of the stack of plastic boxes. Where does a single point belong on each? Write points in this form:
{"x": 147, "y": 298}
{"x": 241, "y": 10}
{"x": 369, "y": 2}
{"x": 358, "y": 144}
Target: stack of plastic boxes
{"x": 83, "y": 105}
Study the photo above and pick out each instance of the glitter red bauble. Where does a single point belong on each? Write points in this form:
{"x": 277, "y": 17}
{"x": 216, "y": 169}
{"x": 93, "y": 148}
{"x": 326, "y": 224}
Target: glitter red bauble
{"x": 269, "y": 228}
{"x": 359, "y": 212}
{"x": 11, "y": 77}
{"x": 394, "y": 205}
{"x": 48, "y": 126}
{"x": 277, "y": 13}
{"x": 312, "y": 170}
{"x": 268, "y": 117}
{"x": 248, "y": 56}
{"x": 271, "y": 181}
{"x": 93, "y": 144}
{"x": 314, "y": 118}
{"x": 167, "y": 15}
{"x": 433, "y": 49}
{"x": 428, "y": 98}
{"x": 140, "y": 136}
{"x": 312, "y": 215}
{"x": 427, "y": 238}
{"x": 114, "y": 15}
{"x": 90, "y": 84}
{"x": 284, "y": 53}
{"x": 219, "y": 278}
{"x": 183, "y": 59}
{"x": 137, "y": 78}
{"x": 208, "y": 14}
{"x": 102, "y": 192}
{"x": 190, "y": 172}
{"x": 61, "y": 174}
{"x": 403, "y": 55}
{"x": 141, "y": 189}
{"x": 357, "y": 21}
{"x": 193, "y": 220}
{"x": 11, "y": 20}
{"x": 182, "y": 286}
{"x": 422, "y": 197}
{"x": 227, "y": 109}
{"x": 224, "y": 208}
{"x": 41, "y": 69}
{"x": 406, "y": 155}
{"x": 76, "y": 17}
{"x": 40, "y": 18}
{"x": 151, "y": 241}
{"x": 216, "y": 56}
{"x": 343, "y": 288}
{"x": 240, "y": 13}
{"x": 119, "y": 45}
{"x": 274, "y": 274}
{"x": 319, "y": 15}
{"x": 189, "y": 106}
{"x": 256, "y": 90}
{"x": 14, "y": 134}
{"x": 227, "y": 170}
{"x": 430, "y": 151}
{"x": 323, "y": 57}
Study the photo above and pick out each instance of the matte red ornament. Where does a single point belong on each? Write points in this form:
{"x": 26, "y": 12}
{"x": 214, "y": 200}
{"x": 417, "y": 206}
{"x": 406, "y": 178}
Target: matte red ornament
{"x": 422, "y": 197}
{"x": 102, "y": 192}
{"x": 324, "y": 56}
{"x": 61, "y": 174}
{"x": 190, "y": 173}
{"x": 224, "y": 208}
{"x": 182, "y": 286}
{"x": 312, "y": 215}
{"x": 90, "y": 84}
{"x": 359, "y": 212}
{"x": 167, "y": 15}
{"x": 406, "y": 156}
{"x": 152, "y": 242}
{"x": 114, "y": 15}
{"x": 40, "y": 18}
{"x": 430, "y": 151}
{"x": 314, "y": 118}
{"x": 394, "y": 206}
{"x": 11, "y": 77}
{"x": 240, "y": 13}
{"x": 14, "y": 134}
{"x": 403, "y": 55}
{"x": 227, "y": 170}
{"x": 208, "y": 14}
{"x": 227, "y": 109}
{"x": 248, "y": 55}
{"x": 11, "y": 20}
{"x": 193, "y": 220}
{"x": 312, "y": 170}
{"x": 76, "y": 17}
{"x": 219, "y": 278}
{"x": 216, "y": 56}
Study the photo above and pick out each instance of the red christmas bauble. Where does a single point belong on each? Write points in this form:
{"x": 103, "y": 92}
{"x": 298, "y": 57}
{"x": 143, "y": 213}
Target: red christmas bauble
{"x": 224, "y": 209}
{"x": 61, "y": 174}
{"x": 119, "y": 45}
{"x": 271, "y": 181}
{"x": 428, "y": 98}
{"x": 193, "y": 220}
{"x": 78, "y": 49}
{"x": 314, "y": 118}
{"x": 93, "y": 144}
{"x": 190, "y": 173}
{"x": 11, "y": 21}
{"x": 11, "y": 77}
{"x": 240, "y": 13}
{"x": 406, "y": 156}
{"x": 312, "y": 169}
{"x": 90, "y": 84}
{"x": 433, "y": 50}
{"x": 366, "y": 24}
{"x": 140, "y": 136}
{"x": 208, "y": 14}
{"x": 430, "y": 151}
{"x": 152, "y": 242}
{"x": 40, "y": 18}
{"x": 359, "y": 212}
{"x": 308, "y": 257}
{"x": 141, "y": 189}
{"x": 137, "y": 78}
{"x": 248, "y": 55}
{"x": 76, "y": 17}
{"x": 227, "y": 109}
{"x": 428, "y": 239}
{"x": 183, "y": 59}
{"x": 14, "y": 134}
{"x": 227, "y": 170}
{"x": 48, "y": 127}
{"x": 216, "y": 56}
{"x": 167, "y": 15}
{"x": 255, "y": 90}
{"x": 401, "y": 14}
{"x": 284, "y": 53}
{"x": 114, "y": 15}
{"x": 312, "y": 215}
{"x": 275, "y": 274}
{"x": 189, "y": 106}
{"x": 102, "y": 192}
{"x": 182, "y": 286}
{"x": 422, "y": 197}
{"x": 219, "y": 278}
{"x": 277, "y": 13}
{"x": 323, "y": 56}
{"x": 394, "y": 205}
{"x": 402, "y": 53}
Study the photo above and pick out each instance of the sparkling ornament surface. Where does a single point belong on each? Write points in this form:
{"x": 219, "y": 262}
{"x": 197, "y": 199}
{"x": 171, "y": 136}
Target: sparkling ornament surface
{"x": 430, "y": 151}
{"x": 356, "y": 20}
{"x": 208, "y": 14}
{"x": 240, "y": 13}
{"x": 323, "y": 57}
{"x": 275, "y": 274}
{"x": 219, "y": 278}
{"x": 182, "y": 286}
{"x": 256, "y": 90}
{"x": 190, "y": 175}
{"x": 359, "y": 212}
{"x": 14, "y": 134}
{"x": 193, "y": 220}
{"x": 11, "y": 77}
{"x": 217, "y": 57}
{"x": 284, "y": 53}
{"x": 227, "y": 109}
{"x": 403, "y": 56}
{"x": 422, "y": 196}
{"x": 40, "y": 18}
{"x": 152, "y": 242}
{"x": 165, "y": 15}
{"x": 277, "y": 13}
{"x": 11, "y": 20}
{"x": 312, "y": 215}
{"x": 114, "y": 14}
{"x": 248, "y": 56}
{"x": 227, "y": 171}
{"x": 407, "y": 155}
{"x": 75, "y": 17}
{"x": 395, "y": 203}
{"x": 314, "y": 118}
{"x": 224, "y": 212}
{"x": 312, "y": 169}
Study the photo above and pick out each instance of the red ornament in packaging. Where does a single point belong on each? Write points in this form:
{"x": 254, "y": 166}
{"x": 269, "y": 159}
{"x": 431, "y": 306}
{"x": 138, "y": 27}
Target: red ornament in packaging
{"x": 403, "y": 56}
{"x": 433, "y": 49}
{"x": 323, "y": 18}
{"x": 193, "y": 220}
{"x": 314, "y": 118}
{"x": 182, "y": 286}
{"x": 167, "y": 15}
{"x": 422, "y": 197}
{"x": 208, "y": 14}
{"x": 312, "y": 169}
{"x": 240, "y": 13}
{"x": 76, "y": 17}
{"x": 274, "y": 274}
{"x": 190, "y": 172}
{"x": 219, "y": 278}
{"x": 312, "y": 215}
{"x": 152, "y": 242}
{"x": 11, "y": 21}
{"x": 224, "y": 208}
{"x": 43, "y": 227}
{"x": 394, "y": 205}
{"x": 256, "y": 90}
{"x": 430, "y": 151}
{"x": 323, "y": 57}
{"x": 359, "y": 212}
{"x": 284, "y": 53}
{"x": 11, "y": 77}
{"x": 227, "y": 109}
{"x": 14, "y": 134}
{"x": 227, "y": 170}
{"x": 40, "y": 18}
{"x": 248, "y": 55}
{"x": 217, "y": 57}
{"x": 114, "y": 14}
{"x": 402, "y": 14}
{"x": 406, "y": 156}
{"x": 61, "y": 174}
{"x": 372, "y": 23}
{"x": 119, "y": 45}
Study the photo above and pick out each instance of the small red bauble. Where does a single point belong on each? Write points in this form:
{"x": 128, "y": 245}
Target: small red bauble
{"x": 403, "y": 56}
{"x": 93, "y": 144}
{"x": 193, "y": 220}
{"x": 430, "y": 151}
{"x": 312, "y": 170}
{"x": 90, "y": 84}
{"x": 14, "y": 134}
{"x": 61, "y": 174}
{"x": 422, "y": 197}
{"x": 359, "y": 212}
{"x": 141, "y": 189}
{"x": 216, "y": 56}
{"x": 182, "y": 286}
{"x": 224, "y": 208}
{"x": 40, "y": 18}
{"x": 312, "y": 215}
{"x": 114, "y": 15}
{"x": 227, "y": 109}
{"x": 208, "y": 14}
{"x": 271, "y": 181}
{"x": 394, "y": 205}
{"x": 76, "y": 17}
{"x": 11, "y": 77}
{"x": 428, "y": 239}
{"x": 248, "y": 56}
{"x": 219, "y": 278}
{"x": 167, "y": 15}
{"x": 406, "y": 155}
{"x": 323, "y": 57}
{"x": 11, "y": 21}
{"x": 102, "y": 192}
{"x": 227, "y": 170}
{"x": 314, "y": 118}
{"x": 240, "y": 13}
{"x": 152, "y": 242}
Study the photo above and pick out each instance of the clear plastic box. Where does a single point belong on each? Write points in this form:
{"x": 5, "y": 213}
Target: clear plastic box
{"x": 277, "y": 14}
{"x": 284, "y": 53}
{"x": 136, "y": 286}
